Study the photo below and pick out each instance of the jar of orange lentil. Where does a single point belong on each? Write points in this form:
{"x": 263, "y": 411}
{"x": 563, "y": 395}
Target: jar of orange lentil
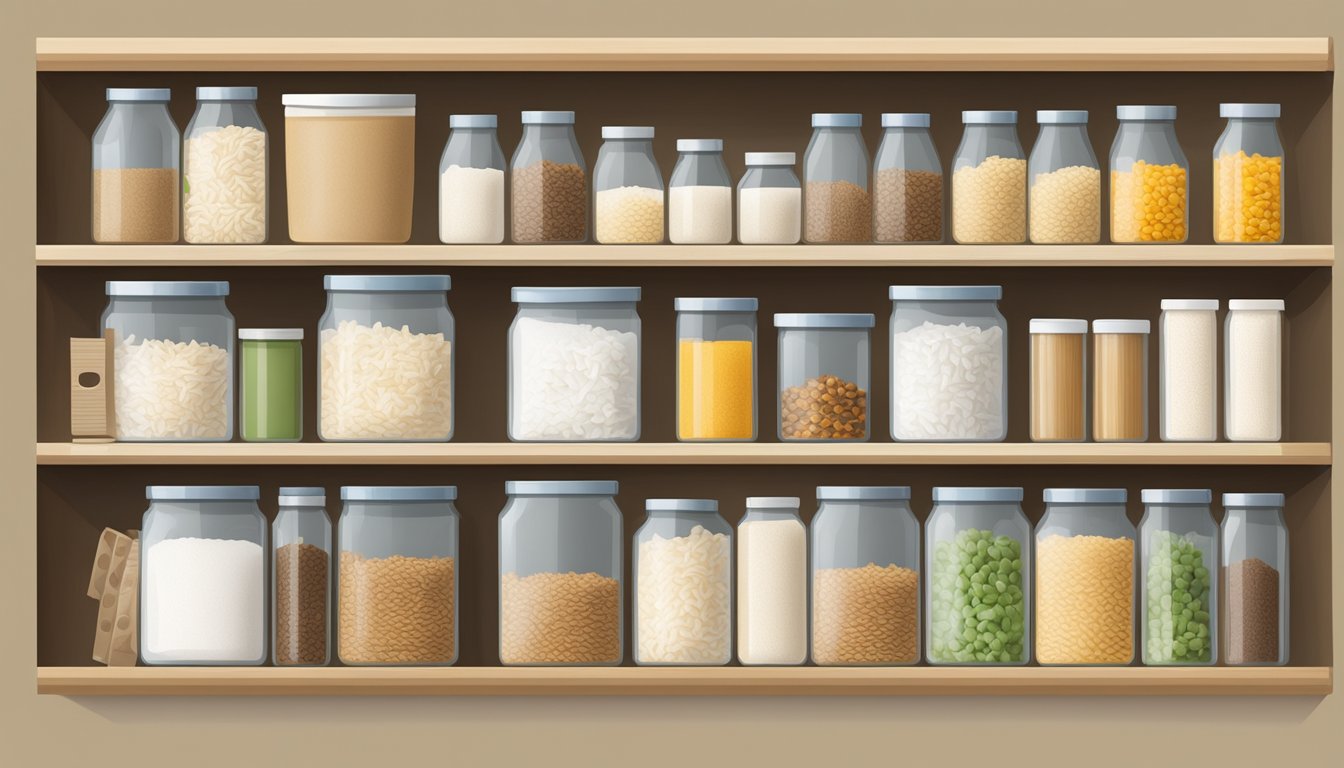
{"x": 1150, "y": 184}
{"x": 1248, "y": 176}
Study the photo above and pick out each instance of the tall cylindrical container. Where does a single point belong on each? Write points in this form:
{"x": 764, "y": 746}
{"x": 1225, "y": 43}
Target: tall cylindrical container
{"x": 1058, "y": 380}
{"x": 301, "y": 567}
{"x": 716, "y": 369}
{"x": 225, "y": 169}
{"x": 1065, "y": 179}
{"x": 989, "y": 180}
{"x": 836, "y": 205}
{"x": 1179, "y": 561}
{"x": 772, "y": 583}
{"x": 1120, "y": 380}
{"x": 1254, "y": 370}
{"x": 1189, "y": 370}
{"x": 471, "y": 182}
{"x": 1255, "y": 580}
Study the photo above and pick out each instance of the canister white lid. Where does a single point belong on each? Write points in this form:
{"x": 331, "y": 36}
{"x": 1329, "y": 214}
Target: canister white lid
{"x": 1203, "y": 304}
{"x": 1061, "y": 116}
{"x": 139, "y": 94}
{"x": 270, "y": 334}
{"x": 989, "y": 116}
{"x": 1145, "y": 112}
{"x": 771, "y": 158}
{"x": 349, "y": 100}
{"x": 535, "y": 117}
{"x": 681, "y": 505}
{"x": 1057, "y": 325}
{"x": 699, "y": 145}
{"x": 1262, "y": 304}
{"x": 905, "y": 119}
{"x": 627, "y": 132}
{"x": 1121, "y": 326}
{"x": 837, "y": 120}
{"x": 773, "y": 502}
{"x": 473, "y": 121}
{"x": 1249, "y": 110}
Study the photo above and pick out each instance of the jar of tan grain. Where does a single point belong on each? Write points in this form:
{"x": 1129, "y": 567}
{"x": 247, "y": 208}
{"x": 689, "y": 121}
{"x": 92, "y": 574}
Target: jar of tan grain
{"x": 1058, "y": 380}
{"x": 1120, "y": 381}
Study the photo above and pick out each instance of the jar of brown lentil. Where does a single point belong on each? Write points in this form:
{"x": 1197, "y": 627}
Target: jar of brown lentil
{"x": 301, "y": 579}
{"x": 907, "y": 182}
{"x": 823, "y": 376}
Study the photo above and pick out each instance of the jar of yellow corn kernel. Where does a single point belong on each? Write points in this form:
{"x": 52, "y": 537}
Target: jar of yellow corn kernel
{"x": 1248, "y": 176}
{"x": 1150, "y": 182}
{"x": 1064, "y": 204}
{"x": 989, "y": 180}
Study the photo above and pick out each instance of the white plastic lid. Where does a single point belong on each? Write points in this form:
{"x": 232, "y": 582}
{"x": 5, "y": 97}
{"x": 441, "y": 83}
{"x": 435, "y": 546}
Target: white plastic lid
{"x": 905, "y": 119}
{"x": 1057, "y": 325}
{"x": 139, "y": 94}
{"x": 1253, "y": 304}
{"x": 226, "y": 93}
{"x": 945, "y": 292}
{"x": 989, "y": 117}
{"x": 681, "y": 505}
{"x": 1200, "y": 304}
{"x": 167, "y": 288}
{"x": 1121, "y": 326}
{"x": 473, "y": 121}
{"x": 773, "y": 502}
{"x": 1176, "y": 495}
{"x": 534, "y": 117}
{"x": 566, "y": 295}
{"x": 715, "y": 305}
{"x": 1262, "y": 111}
{"x": 1145, "y": 112}
{"x": 837, "y": 120}
{"x": 1061, "y": 116}
{"x": 270, "y": 334}
{"x": 771, "y": 158}
{"x": 1261, "y": 500}
{"x": 699, "y": 145}
{"x": 823, "y": 320}
{"x": 349, "y": 100}
{"x": 627, "y": 132}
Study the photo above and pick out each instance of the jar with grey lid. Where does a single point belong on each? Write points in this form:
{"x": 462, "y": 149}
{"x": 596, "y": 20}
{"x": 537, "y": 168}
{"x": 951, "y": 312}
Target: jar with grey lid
{"x": 1065, "y": 181}
{"x": 824, "y": 368}
{"x": 837, "y": 207}
{"x": 1255, "y": 580}
{"x": 683, "y": 592}
{"x": 627, "y": 188}
{"x": 1179, "y": 563}
{"x": 700, "y": 195}
{"x": 301, "y": 568}
{"x": 907, "y": 182}
{"x": 225, "y": 164}
{"x": 549, "y": 182}
{"x": 471, "y": 182}
{"x": 137, "y": 162}
{"x": 989, "y": 180}
{"x": 1149, "y": 177}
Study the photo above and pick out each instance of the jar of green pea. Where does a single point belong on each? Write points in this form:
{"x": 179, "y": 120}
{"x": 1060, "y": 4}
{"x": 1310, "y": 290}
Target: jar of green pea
{"x": 272, "y": 384}
{"x": 1178, "y": 555}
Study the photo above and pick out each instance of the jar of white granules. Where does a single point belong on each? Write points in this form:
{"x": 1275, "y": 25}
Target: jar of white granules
{"x": 772, "y": 583}
{"x": 683, "y": 567}
{"x": 471, "y": 182}
{"x": 1254, "y": 360}
{"x": 769, "y": 200}
{"x": 700, "y": 195}
{"x": 1189, "y": 370}
{"x": 627, "y": 188}
{"x": 224, "y": 162}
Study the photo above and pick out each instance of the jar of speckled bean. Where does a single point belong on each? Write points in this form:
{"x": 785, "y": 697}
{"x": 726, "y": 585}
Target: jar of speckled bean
{"x": 627, "y": 188}
{"x": 1065, "y": 180}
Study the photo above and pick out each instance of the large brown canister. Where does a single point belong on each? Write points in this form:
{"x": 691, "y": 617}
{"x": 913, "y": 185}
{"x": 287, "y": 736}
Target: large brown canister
{"x": 349, "y": 167}
{"x": 1058, "y": 380}
{"x": 1120, "y": 380}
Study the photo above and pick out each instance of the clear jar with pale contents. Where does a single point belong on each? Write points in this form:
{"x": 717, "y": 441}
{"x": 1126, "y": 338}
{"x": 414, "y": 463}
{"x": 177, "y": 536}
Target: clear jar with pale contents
{"x": 225, "y": 169}
{"x": 700, "y": 195}
{"x": 683, "y": 592}
{"x": 627, "y": 188}
{"x": 1064, "y": 205}
{"x": 769, "y": 200}
{"x": 137, "y": 164}
{"x": 1179, "y": 564}
{"x": 471, "y": 182}
{"x": 989, "y": 180}
{"x": 1150, "y": 182}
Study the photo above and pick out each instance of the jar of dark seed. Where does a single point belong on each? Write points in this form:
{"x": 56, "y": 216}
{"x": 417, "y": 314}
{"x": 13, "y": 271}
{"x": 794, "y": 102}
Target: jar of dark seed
{"x": 907, "y": 182}
{"x": 836, "y": 204}
{"x": 549, "y": 182}
{"x": 824, "y": 364}
{"x": 1255, "y": 580}
{"x": 301, "y": 579}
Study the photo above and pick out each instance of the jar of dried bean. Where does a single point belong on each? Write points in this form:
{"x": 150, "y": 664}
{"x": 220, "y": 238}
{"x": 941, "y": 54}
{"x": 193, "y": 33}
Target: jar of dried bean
{"x": 823, "y": 376}
{"x": 907, "y": 182}
{"x": 1064, "y": 204}
{"x": 836, "y": 204}
{"x": 989, "y": 180}
{"x": 1178, "y": 560}
{"x": 1248, "y": 176}
{"x": 301, "y": 579}
{"x": 1150, "y": 182}
{"x": 627, "y": 188}
{"x": 1255, "y": 580}
{"x": 549, "y": 183}
{"x": 716, "y": 369}
{"x": 683, "y": 593}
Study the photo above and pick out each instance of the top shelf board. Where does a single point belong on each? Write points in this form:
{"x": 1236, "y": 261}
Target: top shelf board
{"x": 726, "y": 54}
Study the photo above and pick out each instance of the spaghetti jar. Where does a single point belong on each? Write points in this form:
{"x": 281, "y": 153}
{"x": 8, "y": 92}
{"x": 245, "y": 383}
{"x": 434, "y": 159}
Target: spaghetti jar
{"x": 1188, "y": 373}
{"x": 1058, "y": 380}
{"x": 1120, "y": 381}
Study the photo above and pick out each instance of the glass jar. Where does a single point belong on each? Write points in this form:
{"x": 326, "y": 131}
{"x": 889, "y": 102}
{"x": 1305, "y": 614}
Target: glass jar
{"x": 1178, "y": 555}
{"x": 1254, "y": 377}
{"x": 627, "y": 188}
{"x": 1255, "y": 580}
{"x": 225, "y": 161}
{"x": 1058, "y": 380}
{"x": 865, "y": 577}
{"x": 989, "y": 180}
{"x": 769, "y": 200}
{"x": 385, "y": 362}
{"x": 471, "y": 182}
{"x": 398, "y": 583}
{"x": 301, "y": 579}
{"x": 173, "y": 347}
{"x": 824, "y": 364}
{"x": 716, "y": 369}
{"x": 1189, "y": 370}
{"x": 1065, "y": 178}
{"x": 560, "y": 574}
{"x": 1085, "y": 565}
{"x": 907, "y": 182}
{"x": 1120, "y": 380}
{"x": 978, "y": 545}
{"x": 549, "y": 185}
{"x": 772, "y": 583}
{"x": 271, "y": 380}
{"x": 837, "y": 207}
{"x": 136, "y": 162}
{"x": 1248, "y": 176}
{"x": 683, "y": 595}
{"x": 700, "y": 195}
{"x": 949, "y": 363}
{"x": 1149, "y": 178}
{"x": 203, "y": 576}
{"x": 574, "y": 365}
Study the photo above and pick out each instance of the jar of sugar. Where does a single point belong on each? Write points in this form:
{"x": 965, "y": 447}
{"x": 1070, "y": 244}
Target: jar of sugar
{"x": 769, "y": 200}
{"x": 471, "y": 182}
{"x": 1254, "y": 360}
{"x": 1188, "y": 372}
{"x": 700, "y": 195}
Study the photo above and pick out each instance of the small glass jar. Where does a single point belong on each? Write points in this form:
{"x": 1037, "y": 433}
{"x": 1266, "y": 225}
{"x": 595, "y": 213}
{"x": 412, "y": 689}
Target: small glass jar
{"x": 769, "y": 200}
{"x": 949, "y": 363}
{"x": 700, "y": 195}
{"x": 1085, "y": 565}
{"x": 471, "y": 182}
{"x": 1255, "y": 580}
{"x": 1248, "y": 176}
{"x": 1064, "y": 204}
{"x": 560, "y": 595}
{"x": 173, "y": 348}
{"x": 989, "y": 180}
{"x": 574, "y": 365}
{"x": 1188, "y": 373}
{"x": 301, "y": 567}
{"x": 398, "y": 578}
{"x": 824, "y": 366}
{"x": 203, "y": 576}
{"x": 1178, "y": 607}
{"x": 1149, "y": 178}
{"x": 865, "y": 577}
{"x": 978, "y": 545}
{"x": 907, "y": 182}
{"x": 1058, "y": 380}
{"x": 1254, "y": 375}
{"x": 837, "y": 207}
{"x": 716, "y": 369}
{"x": 772, "y": 583}
{"x": 225, "y": 157}
{"x": 549, "y": 182}
{"x": 136, "y": 165}
{"x": 385, "y": 362}
{"x": 683, "y": 594}
{"x": 271, "y": 384}
{"x": 1120, "y": 381}
{"x": 627, "y": 188}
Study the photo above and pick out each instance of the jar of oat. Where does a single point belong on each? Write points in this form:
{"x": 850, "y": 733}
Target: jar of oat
{"x": 823, "y": 376}
{"x": 224, "y": 161}
{"x": 549, "y": 186}
{"x": 700, "y": 195}
{"x": 398, "y": 577}
{"x": 907, "y": 182}
{"x": 683, "y": 593}
{"x": 560, "y": 596}
{"x": 301, "y": 564}
{"x": 471, "y": 182}
{"x": 836, "y": 204}
{"x": 1150, "y": 182}
{"x": 1255, "y": 580}
{"x": 627, "y": 188}
{"x": 1064, "y": 205}
{"x": 136, "y": 166}
{"x": 989, "y": 180}
{"x": 1248, "y": 176}
{"x": 769, "y": 200}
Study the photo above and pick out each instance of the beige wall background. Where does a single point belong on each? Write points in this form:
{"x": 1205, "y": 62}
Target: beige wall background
{"x": 201, "y": 732}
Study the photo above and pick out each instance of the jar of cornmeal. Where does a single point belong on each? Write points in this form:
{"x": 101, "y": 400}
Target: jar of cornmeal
{"x": 716, "y": 369}
{"x": 272, "y": 384}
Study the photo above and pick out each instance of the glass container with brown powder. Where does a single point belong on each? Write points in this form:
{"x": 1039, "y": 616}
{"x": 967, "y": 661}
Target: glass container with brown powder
{"x": 837, "y": 207}
{"x": 136, "y": 169}
{"x": 907, "y": 182}
{"x": 1255, "y": 580}
{"x": 550, "y": 181}
{"x": 301, "y": 579}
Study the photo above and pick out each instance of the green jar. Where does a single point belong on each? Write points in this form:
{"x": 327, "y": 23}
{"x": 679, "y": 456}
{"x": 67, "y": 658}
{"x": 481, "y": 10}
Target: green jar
{"x": 272, "y": 384}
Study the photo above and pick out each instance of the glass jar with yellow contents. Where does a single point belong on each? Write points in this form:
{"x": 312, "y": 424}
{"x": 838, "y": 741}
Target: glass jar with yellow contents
{"x": 1248, "y": 176}
{"x": 1150, "y": 178}
{"x": 716, "y": 369}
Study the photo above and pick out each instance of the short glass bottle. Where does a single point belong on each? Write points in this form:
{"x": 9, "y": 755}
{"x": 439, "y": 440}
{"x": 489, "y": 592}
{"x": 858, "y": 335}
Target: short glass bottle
{"x": 700, "y": 195}
{"x": 471, "y": 182}
{"x": 824, "y": 369}
{"x": 769, "y": 200}
{"x": 549, "y": 182}
{"x": 137, "y": 165}
{"x": 907, "y": 182}
{"x": 1248, "y": 176}
{"x": 627, "y": 188}
{"x": 1149, "y": 178}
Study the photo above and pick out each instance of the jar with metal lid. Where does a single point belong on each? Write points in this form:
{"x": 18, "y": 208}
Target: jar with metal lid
{"x": 1149, "y": 178}
{"x": 700, "y": 195}
{"x": 385, "y": 369}
{"x": 1188, "y": 373}
{"x": 865, "y": 577}
{"x": 1248, "y": 176}
{"x": 398, "y": 577}
{"x": 1255, "y": 580}
{"x": 683, "y": 594}
{"x": 824, "y": 367}
{"x": 769, "y": 200}
{"x": 772, "y": 583}
{"x": 949, "y": 363}
{"x": 989, "y": 180}
{"x": 1179, "y": 551}
{"x": 301, "y": 567}
{"x": 716, "y": 369}
{"x": 173, "y": 349}
{"x": 136, "y": 165}
{"x": 271, "y": 384}
{"x": 560, "y": 596}
{"x": 1058, "y": 380}
{"x": 574, "y": 365}
{"x": 837, "y": 207}
{"x": 549, "y": 183}
{"x": 978, "y": 545}
{"x": 203, "y": 576}
{"x": 1085, "y": 565}
{"x": 225, "y": 162}
{"x": 1120, "y": 380}
{"x": 1064, "y": 204}
{"x": 471, "y": 182}
{"x": 1253, "y": 381}
{"x": 907, "y": 182}
{"x": 627, "y": 188}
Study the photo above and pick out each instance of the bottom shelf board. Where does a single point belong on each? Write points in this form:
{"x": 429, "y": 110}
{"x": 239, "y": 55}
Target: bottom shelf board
{"x": 684, "y": 681}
